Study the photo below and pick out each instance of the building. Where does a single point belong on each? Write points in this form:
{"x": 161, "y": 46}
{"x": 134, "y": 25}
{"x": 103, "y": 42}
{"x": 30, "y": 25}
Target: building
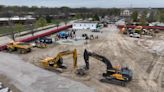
{"x": 15, "y": 19}
{"x": 125, "y": 13}
{"x": 83, "y": 25}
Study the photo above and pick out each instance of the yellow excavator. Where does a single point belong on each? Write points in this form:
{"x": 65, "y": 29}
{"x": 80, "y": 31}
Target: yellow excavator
{"x": 20, "y": 47}
{"x": 116, "y": 75}
{"x": 57, "y": 61}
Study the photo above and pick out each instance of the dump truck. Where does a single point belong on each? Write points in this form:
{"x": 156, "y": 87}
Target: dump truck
{"x": 20, "y": 47}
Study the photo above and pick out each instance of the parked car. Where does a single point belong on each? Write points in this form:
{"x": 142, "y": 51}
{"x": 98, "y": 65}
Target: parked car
{"x": 130, "y": 31}
{"x": 44, "y": 40}
{"x": 63, "y": 35}
{"x": 135, "y": 35}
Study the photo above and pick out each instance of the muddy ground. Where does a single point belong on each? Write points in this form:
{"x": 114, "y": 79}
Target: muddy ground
{"x": 144, "y": 56}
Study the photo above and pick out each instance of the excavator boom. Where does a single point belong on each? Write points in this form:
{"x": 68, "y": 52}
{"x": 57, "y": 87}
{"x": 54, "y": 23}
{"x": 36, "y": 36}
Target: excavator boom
{"x": 56, "y": 61}
{"x": 87, "y": 54}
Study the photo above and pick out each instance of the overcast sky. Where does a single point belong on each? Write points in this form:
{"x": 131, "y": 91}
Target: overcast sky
{"x": 87, "y": 3}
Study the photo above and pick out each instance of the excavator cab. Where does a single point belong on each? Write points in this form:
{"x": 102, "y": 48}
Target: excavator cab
{"x": 115, "y": 76}
{"x": 127, "y": 73}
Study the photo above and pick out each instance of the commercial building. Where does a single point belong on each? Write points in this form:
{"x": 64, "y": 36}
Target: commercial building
{"x": 16, "y": 19}
{"x": 83, "y": 25}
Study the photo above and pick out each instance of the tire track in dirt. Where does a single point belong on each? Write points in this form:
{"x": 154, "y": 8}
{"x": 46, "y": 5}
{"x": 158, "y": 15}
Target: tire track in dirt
{"x": 155, "y": 68}
{"x": 154, "y": 79}
{"x": 130, "y": 52}
{"x": 103, "y": 48}
{"x": 155, "y": 58}
{"x": 118, "y": 51}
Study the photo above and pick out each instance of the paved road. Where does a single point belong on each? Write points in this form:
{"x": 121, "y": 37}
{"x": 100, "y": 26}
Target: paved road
{"x": 29, "y": 78}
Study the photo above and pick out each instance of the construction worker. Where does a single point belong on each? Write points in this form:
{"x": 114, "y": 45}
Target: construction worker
{"x": 86, "y": 58}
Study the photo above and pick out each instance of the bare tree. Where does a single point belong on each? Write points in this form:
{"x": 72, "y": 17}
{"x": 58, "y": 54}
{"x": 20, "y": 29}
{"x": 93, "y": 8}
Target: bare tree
{"x": 31, "y": 26}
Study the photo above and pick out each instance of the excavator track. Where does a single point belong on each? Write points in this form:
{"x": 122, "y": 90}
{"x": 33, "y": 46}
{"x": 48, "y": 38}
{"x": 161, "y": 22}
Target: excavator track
{"x": 113, "y": 81}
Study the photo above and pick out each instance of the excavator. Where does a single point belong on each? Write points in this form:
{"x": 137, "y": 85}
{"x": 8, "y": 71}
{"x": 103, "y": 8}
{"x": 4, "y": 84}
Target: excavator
{"x": 20, "y": 47}
{"x": 57, "y": 61}
{"x": 116, "y": 75}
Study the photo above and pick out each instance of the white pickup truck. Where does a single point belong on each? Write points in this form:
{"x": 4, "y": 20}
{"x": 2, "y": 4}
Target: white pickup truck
{"x": 135, "y": 35}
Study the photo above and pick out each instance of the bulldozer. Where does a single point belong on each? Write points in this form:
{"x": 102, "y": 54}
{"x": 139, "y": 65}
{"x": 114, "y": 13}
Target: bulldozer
{"x": 20, "y": 47}
{"x": 57, "y": 60}
{"x": 114, "y": 74}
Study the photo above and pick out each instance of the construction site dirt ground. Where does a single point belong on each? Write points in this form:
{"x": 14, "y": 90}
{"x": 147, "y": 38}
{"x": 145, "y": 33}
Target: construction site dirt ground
{"x": 144, "y": 56}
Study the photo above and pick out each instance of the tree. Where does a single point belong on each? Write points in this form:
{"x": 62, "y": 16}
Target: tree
{"x": 57, "y": 24}
{"x": 157, "y": 16}
{"x": 1, "y": 7}
{"x": 78, "y": 16}
{"x": 143, "y": 18}
{"x": 134, "y": 16}
{"x": 65, "y": 22}
{"x": 18, "y": 27}
{"x": 49, "y": 19}
{"x": 95, "y": 17}
{"x": 10, "y": 23}
{"x": 64, "y": 9}
{"x": 34, "y": 8}
{"x": 41, "y": 22}
{"x": 115, "y": 11}
{"x": 161, "y": 16}
{"x": 152, "y": 17}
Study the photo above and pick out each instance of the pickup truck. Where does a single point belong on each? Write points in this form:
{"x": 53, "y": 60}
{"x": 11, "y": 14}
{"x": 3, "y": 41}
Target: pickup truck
{"x": 135, "y": 35}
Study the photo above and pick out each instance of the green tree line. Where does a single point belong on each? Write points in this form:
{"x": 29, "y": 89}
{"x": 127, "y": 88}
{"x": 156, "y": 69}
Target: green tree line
{"x": 147, "y": 16}
{"x": 22, "y": 10}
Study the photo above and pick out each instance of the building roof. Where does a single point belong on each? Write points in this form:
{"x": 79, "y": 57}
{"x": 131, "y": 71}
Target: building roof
{"x": 86, "y": 22}
{"x": 16, "y": 18}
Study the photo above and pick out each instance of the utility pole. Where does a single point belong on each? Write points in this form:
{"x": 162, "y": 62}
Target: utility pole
{"x": 11, "y": 25}
{"x": 31, "y": 26}
{"x": 32, "y": 29}
{"x": 131, "y": 10}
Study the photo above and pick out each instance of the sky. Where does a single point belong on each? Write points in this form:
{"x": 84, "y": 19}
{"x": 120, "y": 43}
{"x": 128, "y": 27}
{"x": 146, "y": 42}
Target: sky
{"x": 87, "y": 3}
